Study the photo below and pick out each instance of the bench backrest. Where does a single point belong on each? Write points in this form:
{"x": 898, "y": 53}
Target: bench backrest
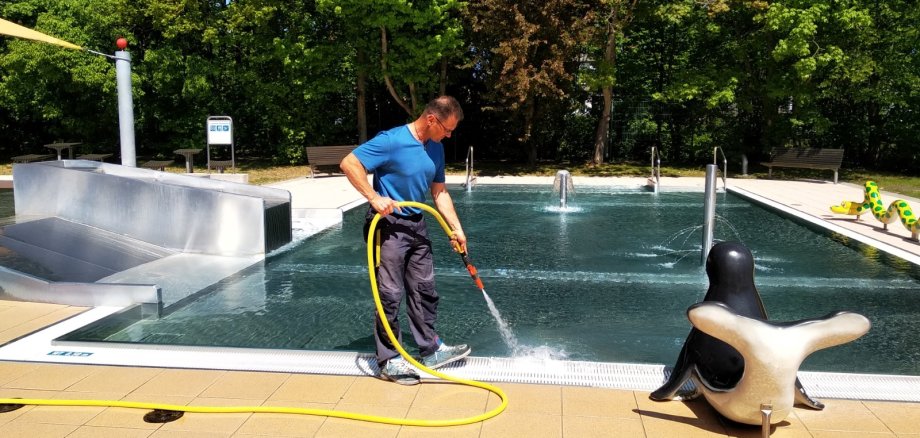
{"x": 328, "y": 155}
{"x": 815, "y": 156}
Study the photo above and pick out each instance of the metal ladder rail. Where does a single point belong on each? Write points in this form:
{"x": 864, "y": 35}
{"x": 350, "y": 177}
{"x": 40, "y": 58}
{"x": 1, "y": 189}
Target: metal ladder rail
{"x": 656, "y": 168}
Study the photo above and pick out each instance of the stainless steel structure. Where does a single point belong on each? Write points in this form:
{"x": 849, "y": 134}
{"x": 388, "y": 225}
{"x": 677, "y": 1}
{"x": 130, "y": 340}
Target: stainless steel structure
{"x": 80, "y": 222}
{"x": 563, "y": 185}
{"x": 709, "y": 212}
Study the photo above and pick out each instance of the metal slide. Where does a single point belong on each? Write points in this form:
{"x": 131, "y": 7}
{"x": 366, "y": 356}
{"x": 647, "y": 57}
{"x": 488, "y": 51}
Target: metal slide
{"x": 95, "y": 234}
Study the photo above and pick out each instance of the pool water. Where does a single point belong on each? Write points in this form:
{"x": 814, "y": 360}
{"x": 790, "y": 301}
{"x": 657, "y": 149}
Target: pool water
{"x": 608, "y": 280}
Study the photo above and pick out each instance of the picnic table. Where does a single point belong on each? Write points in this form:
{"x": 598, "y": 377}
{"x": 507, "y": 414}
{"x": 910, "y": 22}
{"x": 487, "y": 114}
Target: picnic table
{"x": 188, "y": 154}
{"x": 60, "y": 147}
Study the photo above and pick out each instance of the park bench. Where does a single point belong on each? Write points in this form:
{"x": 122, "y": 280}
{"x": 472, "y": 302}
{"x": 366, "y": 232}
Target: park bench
{"x": 220, "y": 165}
{"x": 805, "y": 158}
{"x": 94, "y": 157}
{"x": 157, "y": 164}
{"x": 31, "y": 157}
{"x": 326, "y": 156}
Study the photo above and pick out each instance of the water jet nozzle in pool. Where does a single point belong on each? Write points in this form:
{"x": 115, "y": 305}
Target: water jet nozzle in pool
{"x": 564, "y": 186}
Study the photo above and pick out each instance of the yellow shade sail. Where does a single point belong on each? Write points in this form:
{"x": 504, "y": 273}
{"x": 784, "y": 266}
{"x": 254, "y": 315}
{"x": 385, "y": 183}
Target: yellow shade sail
{"x": 15, "y": 30}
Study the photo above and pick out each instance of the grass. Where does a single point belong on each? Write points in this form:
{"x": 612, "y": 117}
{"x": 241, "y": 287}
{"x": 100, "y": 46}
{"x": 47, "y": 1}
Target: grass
{"x": 264, "y": 172}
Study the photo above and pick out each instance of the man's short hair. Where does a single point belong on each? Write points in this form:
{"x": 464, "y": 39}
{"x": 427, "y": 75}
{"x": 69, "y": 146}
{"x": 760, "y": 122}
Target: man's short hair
{"x": 443, "y": 107}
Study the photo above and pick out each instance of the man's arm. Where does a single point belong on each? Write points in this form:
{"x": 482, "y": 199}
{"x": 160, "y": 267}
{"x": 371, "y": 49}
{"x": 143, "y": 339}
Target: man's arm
{"x": 445, "y": 205}
{"x": 357, "y": 176}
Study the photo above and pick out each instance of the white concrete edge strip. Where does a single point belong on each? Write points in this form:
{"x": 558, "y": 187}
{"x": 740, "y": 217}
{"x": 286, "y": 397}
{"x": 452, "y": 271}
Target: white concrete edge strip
{"x": 40, "y": 347}
{"x": 892, "y": 250}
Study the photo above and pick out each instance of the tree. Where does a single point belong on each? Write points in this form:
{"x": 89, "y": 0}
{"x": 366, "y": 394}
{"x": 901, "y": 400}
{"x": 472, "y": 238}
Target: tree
{"x": 527, "y": 51}
{"x": 612, "y": 16}
{"x": 49, "y": 92}
{"x": 410, "y": 41}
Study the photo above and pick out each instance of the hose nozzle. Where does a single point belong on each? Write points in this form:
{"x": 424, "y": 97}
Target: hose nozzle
{"x": 472, "y": 269}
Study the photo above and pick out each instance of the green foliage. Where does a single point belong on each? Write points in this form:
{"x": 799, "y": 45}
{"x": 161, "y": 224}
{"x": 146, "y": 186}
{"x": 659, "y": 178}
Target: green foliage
{"x": 683, "y": 75}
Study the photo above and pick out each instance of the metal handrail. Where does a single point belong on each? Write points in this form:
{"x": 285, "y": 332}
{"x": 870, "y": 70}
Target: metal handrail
{"x": 724, "y": 170}
{"x": 656, "y": 168}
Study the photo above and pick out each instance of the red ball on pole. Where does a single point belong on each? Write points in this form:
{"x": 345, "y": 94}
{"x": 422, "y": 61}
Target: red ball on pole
{"x": 121, "y": 43}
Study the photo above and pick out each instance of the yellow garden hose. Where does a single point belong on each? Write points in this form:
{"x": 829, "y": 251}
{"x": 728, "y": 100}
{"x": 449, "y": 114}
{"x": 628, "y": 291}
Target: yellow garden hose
{"x": 306, "y": 411}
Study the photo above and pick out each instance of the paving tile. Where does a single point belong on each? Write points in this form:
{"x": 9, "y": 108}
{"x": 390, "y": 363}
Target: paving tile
{"x": 531, "y": 399}
{"x": 679, "y": 410}
{"x": 246, "y": 385}
{"x": 10, "y": 371}
{"x": 846, "y": 434}
{"x": 19, "y": 429}
{"x": 520, "y": 424}
{"x": 339, "y": 427}
{"x": 76, "y": 415}
{"x": 185, "y": 383}
{"x": 122, "y": 418}
{"x": 6, "y": 417}
{"x": 123, "y": 380}
{"x": 26, "y": 393}
{"x": 680, "y": 427}
{"x": 601, "y": 427}
{"x": 109, "y": 432}
{"x": 313, "y": 388}
{"x": 460, "y": 431}
{"x": 188, "y": 434}
{"x": 443, "y": 414}
{"x": 599, "y": 402}
{"x": 22, "y": 312}
{"x": 285, "y": 425}
{"x": 446, "y": 395}
{"x": 791, "y": 427}
{"x": 369, "y": 390}
{"x": 133, "y": 418}
{"x": 842, "y": 415}
{"x": 901, "y": 418}
{"x": 35, "y": 324}
{"x": 212, "y": 422}
{"x": 51, "y": 377}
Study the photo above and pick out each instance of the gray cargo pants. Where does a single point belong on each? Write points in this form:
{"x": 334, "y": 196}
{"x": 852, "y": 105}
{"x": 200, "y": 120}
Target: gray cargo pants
{"x": 406, "y": 264}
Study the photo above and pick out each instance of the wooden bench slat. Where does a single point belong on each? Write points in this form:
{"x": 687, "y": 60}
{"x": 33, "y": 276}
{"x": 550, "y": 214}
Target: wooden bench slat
{"x": 806, "y": 158}
{"x": 326, "y": 156}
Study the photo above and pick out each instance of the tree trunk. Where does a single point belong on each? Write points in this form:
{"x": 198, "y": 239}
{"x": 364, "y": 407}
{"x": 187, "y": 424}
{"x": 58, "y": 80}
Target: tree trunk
{"x": 529, "y": 111}
{"x": 386, "y": 76}
{"x": 361, "y": 91}
{"x": 603, "y": 125}
{"x": 443, "y": 88}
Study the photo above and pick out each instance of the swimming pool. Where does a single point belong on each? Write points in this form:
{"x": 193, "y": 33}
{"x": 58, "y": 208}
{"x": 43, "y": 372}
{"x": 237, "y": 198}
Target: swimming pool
{"x": 608, "y": 282}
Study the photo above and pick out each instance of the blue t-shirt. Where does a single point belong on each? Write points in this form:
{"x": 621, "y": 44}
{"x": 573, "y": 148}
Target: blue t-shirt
{"x": 403, "y": 168}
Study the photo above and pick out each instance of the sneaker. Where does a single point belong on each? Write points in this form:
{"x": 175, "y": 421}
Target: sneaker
{"x": 399, "y": 371}
{"x": 445, "y": 355}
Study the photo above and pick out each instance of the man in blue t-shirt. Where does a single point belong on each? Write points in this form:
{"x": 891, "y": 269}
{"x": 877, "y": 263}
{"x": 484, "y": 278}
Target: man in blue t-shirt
{"x": 408, "y": 162}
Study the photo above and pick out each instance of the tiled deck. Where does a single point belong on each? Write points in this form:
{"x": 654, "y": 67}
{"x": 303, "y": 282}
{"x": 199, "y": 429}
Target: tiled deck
{"x": 533, "y": 410}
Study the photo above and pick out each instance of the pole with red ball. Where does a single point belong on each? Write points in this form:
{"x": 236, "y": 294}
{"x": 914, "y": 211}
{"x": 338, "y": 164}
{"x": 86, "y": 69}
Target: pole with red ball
{"x": 125, "y": 103}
